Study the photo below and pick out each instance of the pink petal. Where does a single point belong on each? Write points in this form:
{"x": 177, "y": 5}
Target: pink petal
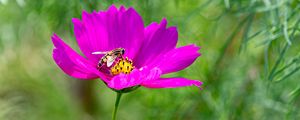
{"x": 72, "y": 63}
{"x": 136, "y": 77}
{"x": 158, "y": 40}
{"x": 176, "y": 59}
{"x": 171, "y": 83}
{"x": 86, "y": 39}
{"x": 107, "y": 30}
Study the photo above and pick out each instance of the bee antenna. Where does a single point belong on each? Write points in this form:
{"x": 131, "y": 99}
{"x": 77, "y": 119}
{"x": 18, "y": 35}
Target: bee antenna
{"x": 98, "y": 52}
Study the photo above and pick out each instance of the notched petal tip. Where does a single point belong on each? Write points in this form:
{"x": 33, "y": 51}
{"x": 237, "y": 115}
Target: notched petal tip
{"x": 112, "y": 8}
{"x": 56, "y": 41}
{"x": 84, "y": 12}
{"x": 195, "y": 48}
{"x": 164, "y": 23}
{"x": 95, "y": 12}
{"x": 198, "y": 83}
{"x": 86, "y": 17}
{"x": 76, "y": 21}
{"x": 122, "y": 8}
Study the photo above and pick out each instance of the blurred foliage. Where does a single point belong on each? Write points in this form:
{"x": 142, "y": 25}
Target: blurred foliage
{"x": 249, "y": 64}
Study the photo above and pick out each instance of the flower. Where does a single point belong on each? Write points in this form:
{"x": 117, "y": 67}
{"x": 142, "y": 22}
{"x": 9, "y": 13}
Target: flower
{"x": 149, "y": 51}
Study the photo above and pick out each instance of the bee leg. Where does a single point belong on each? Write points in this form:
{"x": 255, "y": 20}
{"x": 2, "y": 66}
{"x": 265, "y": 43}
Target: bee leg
{"x": 99, "y": 66}
{"x": 120, "y": 56}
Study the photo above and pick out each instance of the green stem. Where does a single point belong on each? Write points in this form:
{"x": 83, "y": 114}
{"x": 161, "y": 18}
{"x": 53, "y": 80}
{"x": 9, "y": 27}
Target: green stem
{"x": 119, "y": 95}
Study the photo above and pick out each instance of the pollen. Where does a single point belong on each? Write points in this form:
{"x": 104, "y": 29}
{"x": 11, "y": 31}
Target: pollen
{"x": 122, "y": 66}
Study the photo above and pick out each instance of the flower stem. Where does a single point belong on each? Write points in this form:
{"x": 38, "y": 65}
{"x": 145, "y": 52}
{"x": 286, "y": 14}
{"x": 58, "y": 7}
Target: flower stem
{"x": 119, "y": 95}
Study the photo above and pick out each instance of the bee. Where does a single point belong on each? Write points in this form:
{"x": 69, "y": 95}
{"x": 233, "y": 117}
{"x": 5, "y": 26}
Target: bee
{"x": 109, "y": 56}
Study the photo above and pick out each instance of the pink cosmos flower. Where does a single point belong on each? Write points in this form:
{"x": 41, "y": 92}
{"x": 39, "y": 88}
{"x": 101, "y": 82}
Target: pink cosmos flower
{"x": 149, "y": 51}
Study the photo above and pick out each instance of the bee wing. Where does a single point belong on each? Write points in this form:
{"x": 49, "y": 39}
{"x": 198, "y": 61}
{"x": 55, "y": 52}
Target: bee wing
{"x": 99, "y": 52}
{"x": 110, "y": 60}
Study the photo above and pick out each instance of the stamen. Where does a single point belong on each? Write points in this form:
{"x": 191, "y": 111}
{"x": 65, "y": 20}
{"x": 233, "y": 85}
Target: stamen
{"x": 122, "y": 66}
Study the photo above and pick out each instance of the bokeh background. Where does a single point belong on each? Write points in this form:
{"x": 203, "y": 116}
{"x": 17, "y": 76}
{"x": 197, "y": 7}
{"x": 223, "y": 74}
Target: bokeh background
{"x": 249, "y": 64}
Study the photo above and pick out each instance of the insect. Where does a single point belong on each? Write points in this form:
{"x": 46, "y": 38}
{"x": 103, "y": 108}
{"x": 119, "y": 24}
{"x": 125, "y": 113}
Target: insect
{"x": 110, "y": 56}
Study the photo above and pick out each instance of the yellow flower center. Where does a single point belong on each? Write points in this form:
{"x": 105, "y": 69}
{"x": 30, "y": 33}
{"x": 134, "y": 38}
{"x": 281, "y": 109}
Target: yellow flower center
{"x": 122, "y": 66}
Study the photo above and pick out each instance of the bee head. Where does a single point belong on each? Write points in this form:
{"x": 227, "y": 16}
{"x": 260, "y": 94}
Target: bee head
{"x": 122, "y": 51}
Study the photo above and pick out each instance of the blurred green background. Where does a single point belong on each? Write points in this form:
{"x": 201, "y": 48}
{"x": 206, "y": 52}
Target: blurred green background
{"x": 249, "y": 64}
